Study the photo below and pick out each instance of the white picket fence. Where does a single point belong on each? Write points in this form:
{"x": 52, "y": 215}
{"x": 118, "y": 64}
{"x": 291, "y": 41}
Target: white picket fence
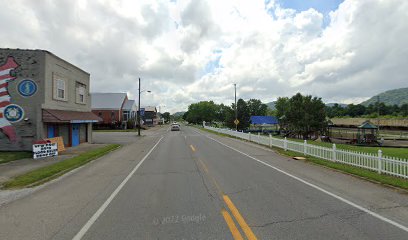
{"x": 377, "y": 162}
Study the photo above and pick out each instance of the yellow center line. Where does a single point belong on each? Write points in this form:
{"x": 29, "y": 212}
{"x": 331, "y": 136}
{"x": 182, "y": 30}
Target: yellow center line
{"x": 227, "y": 217}
{"x": 231, "y": 225}
{"x": 211, "y": 177}
{"x": 203, "y": 166}
{"x": 247, "y": 230}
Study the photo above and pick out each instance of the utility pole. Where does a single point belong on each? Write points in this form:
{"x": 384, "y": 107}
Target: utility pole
{"x": 236, "y": 110}
{"x": 138, "y": 113}
{"x": 378, "y": 113}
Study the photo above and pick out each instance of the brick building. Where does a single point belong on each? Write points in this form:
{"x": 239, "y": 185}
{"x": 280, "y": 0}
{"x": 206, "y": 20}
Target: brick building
{"x": 109, "y": 107}
{"x": 42, "y": 96}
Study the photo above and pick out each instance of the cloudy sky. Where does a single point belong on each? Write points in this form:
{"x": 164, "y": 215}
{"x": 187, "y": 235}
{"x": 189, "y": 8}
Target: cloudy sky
{"x": 188, "y": 51}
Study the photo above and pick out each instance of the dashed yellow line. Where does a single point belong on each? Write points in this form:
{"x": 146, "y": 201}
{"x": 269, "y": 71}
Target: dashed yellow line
{"x": 227, "y": 217}
{"x": 247, "y": 230}
{"x": 231, "y": 225}
{"x": 203, "y": 166}
{"x": 211, "y": 177}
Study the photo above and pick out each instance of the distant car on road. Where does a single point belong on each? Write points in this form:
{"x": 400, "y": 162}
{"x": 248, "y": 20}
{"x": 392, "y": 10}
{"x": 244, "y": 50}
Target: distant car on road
{"x": 175, "y": 127}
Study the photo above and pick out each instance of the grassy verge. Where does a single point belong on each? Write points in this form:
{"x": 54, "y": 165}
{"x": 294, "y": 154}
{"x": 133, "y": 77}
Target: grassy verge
{"x": 11, "y": 156}
{"x": 356, "y": 171}
{"x": 44, "y": 174}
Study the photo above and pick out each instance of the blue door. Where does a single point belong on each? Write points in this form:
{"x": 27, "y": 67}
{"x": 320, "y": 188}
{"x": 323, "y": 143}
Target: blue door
{"x": 75, "y": 134}
{"x": 51, "y": 131}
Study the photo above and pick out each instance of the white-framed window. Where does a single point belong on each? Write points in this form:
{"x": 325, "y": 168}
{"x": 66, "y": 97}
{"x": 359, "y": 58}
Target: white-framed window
{"x": 126, "y": 115}
{"x": 80, "y": 93}
{"x": 60, "y": 88}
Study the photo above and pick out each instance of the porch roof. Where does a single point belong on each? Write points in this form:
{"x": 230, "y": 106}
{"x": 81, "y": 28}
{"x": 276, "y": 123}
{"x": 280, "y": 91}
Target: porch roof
{"x": 63, "y": 116}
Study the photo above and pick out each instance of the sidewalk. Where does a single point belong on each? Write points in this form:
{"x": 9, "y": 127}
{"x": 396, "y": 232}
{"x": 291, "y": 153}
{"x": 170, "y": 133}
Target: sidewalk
{"x": 18, "y": 167}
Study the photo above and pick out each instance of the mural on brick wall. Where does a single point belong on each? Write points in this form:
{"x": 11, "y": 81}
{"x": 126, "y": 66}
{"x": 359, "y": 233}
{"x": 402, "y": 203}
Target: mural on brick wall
{"x": 8, "y": 112}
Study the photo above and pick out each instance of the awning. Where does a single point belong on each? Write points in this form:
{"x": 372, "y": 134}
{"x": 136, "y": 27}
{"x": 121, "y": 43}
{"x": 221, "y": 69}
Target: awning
{"x": 62, "y": 116}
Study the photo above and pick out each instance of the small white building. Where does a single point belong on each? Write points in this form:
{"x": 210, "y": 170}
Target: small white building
{"x": 129, "y": 110}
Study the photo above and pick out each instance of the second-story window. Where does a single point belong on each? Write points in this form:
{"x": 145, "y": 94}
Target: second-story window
{"x": 80, "y": 92}
{"x": 60, "y": 88}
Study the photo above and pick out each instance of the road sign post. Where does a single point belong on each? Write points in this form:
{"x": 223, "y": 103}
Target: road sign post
{"x": 236, "y": 122}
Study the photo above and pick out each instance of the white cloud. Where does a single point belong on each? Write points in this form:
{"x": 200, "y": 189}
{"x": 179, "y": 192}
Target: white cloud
{"x": 267, "y": 50}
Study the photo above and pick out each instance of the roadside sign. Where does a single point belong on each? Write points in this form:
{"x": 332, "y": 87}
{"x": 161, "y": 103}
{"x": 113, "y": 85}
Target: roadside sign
{"x": 45, "y": 150}
{"x": 236, "y": 121}
{"x": 142, "y": 112}
{"x": 59, "y": 141}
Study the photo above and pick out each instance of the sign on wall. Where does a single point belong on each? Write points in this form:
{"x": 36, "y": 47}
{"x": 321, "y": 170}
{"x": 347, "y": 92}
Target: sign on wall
{"x": 45, "y": 150}
{"x": 13, "y": 113}
{"x": 27, "y": 88}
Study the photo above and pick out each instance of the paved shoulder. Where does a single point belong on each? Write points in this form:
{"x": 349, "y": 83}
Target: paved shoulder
{"x": 59, "y": 209}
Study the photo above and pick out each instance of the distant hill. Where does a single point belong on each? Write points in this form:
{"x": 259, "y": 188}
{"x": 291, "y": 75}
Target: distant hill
{"x": 178, "y": 114}
{"x": 397, "y": 96}
{"x": 271, "y": 105}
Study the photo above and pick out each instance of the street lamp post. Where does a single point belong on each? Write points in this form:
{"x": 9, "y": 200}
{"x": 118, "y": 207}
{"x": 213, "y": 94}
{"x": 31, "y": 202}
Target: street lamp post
{"x": 138, "y": 115}
{"x": 236, "y": 111}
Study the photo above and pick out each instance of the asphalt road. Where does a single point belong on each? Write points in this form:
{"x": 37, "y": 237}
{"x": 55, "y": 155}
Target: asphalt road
{"x": 195, "y": 185}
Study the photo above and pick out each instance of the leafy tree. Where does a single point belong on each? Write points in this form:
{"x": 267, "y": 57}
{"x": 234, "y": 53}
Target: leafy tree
{"x": 282, "y": 105}
{"x": 404, "y": 109}
{"x": 243, "y": 114}
{"x": 256, "y": 107}
{"x": 222, "y": 111}
{"x": 270, "y": 112}
{"x": 166, "y": 116}
{"x": 355, "y": 110}
{"x": 302, "y": 115}
{"x": 201, "y": 111}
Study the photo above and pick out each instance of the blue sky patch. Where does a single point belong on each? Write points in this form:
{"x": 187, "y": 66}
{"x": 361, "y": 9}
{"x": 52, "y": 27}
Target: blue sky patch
{"x": 323, "y": 6}
{"x": 212, "y": 65}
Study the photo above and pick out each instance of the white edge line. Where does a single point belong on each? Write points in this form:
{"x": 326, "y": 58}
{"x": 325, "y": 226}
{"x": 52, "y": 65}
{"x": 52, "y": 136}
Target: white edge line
{"x": 98, "y": 213}
{"x": 318, "y": 188}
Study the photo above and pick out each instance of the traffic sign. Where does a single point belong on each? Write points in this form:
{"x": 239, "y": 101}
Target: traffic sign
{"x": 236, "y": 121}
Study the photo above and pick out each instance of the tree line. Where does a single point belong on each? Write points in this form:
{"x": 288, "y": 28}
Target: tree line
{"x": 299, "y": 115}
{"x": 371, "y": 111}
{"x": 211, "y": 112}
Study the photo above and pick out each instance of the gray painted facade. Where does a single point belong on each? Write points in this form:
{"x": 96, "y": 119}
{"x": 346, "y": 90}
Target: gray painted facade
{"x": 45, "y": 70}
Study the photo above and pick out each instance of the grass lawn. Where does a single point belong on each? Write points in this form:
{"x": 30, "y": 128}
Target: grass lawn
{"x": 360, "y": 172}
{"x": 44, "y": 174}
{"x": 11, "y": 156}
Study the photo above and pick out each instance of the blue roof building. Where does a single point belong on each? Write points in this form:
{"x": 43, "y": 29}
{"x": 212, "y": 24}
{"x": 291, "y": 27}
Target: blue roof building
{"x": 264, "y": 120}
